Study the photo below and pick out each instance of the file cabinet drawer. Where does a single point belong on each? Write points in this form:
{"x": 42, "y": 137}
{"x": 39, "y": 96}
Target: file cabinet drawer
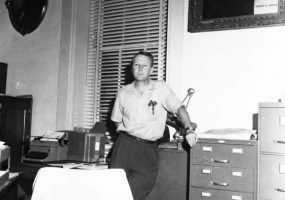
{"x": 227, "y": 155}
{"x": 210, "y": 194}
{"x": 272, "y": 179}
{"x": 272, "y": 127}
{"x": 237, "y": 179}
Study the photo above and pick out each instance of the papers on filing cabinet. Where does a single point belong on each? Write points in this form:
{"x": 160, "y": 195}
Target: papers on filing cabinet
{"x": 230, "y": 134}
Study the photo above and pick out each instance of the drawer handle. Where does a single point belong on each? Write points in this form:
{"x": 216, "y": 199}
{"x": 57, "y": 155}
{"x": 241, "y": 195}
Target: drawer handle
{"x": 219, "y": 184}
{"x": 279, "y": 190}
{"x": 279, "y": 141}
{"x": 220, "y": 161}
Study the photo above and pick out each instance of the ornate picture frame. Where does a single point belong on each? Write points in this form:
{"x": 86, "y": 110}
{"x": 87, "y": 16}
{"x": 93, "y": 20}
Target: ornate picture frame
{"x": 199, "y": 20}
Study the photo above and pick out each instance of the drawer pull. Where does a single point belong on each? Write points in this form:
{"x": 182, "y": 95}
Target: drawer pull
{"x": 279, "y": 190}
{"x": 279, "y": 141}
{"x": 219, "y": 184}
{"x": 220, "y": 161}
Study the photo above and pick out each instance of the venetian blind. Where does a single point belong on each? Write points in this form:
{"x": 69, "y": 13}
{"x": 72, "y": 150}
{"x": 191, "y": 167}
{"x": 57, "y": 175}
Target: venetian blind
{"x": 124, "y": 28}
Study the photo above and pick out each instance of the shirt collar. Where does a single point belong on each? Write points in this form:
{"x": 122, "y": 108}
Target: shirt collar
{"x": 151, "y": 85}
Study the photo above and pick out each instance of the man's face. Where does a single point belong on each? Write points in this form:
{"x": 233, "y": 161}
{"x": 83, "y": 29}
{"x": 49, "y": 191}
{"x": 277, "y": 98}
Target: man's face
{"x": 141, "y": 68}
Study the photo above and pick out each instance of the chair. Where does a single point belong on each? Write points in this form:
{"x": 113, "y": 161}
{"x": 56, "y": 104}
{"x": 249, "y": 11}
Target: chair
{"x": 52, "y": 183}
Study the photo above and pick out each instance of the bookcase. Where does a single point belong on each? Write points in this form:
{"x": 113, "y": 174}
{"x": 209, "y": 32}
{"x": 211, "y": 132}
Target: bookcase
{"x": 15, "y": 124}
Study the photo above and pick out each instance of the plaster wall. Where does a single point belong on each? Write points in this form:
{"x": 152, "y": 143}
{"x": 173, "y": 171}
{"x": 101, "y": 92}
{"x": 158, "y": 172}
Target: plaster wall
{"x": 33, "y": 64}
{"x": 231, "y": 71}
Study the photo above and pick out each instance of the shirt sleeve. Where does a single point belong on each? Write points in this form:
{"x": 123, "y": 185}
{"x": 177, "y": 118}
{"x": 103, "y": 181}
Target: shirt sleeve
{"x": 117, "y": 115}
{"x": 171, "y": 101}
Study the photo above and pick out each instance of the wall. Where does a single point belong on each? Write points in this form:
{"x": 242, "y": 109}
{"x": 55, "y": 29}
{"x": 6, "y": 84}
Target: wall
{"x": 231, "y": 71}
{"x": 48, "y": 63}
{"x": 33, "y": 64}
{"x": 73, "y": 62}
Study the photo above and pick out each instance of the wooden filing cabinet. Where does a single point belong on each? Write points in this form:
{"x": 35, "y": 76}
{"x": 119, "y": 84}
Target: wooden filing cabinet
{"x": 272, "y": 151}
{"x": 172, "y": 180}
{"x": 223, "y": 170}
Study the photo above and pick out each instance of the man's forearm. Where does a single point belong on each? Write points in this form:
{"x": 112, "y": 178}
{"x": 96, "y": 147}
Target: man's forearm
{"x": 190, "y": 135}
{"x": 184, "y": 117}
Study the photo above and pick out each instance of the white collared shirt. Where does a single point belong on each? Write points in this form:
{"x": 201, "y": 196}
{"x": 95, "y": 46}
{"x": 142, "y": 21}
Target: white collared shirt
{"x": 145, "y": 115}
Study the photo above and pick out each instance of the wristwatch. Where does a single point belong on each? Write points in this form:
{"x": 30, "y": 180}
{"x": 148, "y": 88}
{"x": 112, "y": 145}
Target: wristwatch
{"x": 190, "y": 129}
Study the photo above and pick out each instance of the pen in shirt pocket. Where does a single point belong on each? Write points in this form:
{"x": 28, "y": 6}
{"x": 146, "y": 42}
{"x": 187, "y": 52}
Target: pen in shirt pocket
{"x": 152, "y": 104}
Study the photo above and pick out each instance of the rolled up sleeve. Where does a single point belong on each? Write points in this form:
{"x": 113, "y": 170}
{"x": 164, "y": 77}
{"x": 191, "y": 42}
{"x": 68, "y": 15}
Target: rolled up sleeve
{"x": 171, "y": 103}
{"x": 117, "y": 115}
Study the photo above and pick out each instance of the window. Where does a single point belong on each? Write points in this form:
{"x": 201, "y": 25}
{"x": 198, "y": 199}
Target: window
{"x": 118, "y": 29}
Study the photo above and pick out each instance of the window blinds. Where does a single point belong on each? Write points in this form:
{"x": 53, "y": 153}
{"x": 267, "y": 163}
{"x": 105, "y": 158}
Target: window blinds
{"x": 119, "y": 29}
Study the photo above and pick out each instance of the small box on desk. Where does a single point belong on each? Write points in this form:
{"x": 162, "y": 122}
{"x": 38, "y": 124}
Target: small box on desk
{"x": 5, "y": 157}
{"x": 86, "y": 147}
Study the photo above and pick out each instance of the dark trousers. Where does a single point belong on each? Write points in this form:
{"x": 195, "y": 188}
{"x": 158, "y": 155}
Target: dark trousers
{"x": 139, "y": 160}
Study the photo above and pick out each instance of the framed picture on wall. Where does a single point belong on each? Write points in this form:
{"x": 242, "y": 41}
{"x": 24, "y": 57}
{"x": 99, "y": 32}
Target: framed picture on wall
{"x": 214, "y": 15}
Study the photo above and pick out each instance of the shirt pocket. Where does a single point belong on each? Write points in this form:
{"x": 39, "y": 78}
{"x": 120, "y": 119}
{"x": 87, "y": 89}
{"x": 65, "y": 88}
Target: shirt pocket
{"x": 153, "y": 110}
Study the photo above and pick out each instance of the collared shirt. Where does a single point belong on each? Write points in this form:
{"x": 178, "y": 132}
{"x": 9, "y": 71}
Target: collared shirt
{"x": 145, "y": 115}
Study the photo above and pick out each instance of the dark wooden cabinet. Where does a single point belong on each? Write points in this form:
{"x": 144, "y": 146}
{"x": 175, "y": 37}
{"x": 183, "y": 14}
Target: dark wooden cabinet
{"x": 15, "y": 124}
{"x": 172, "y": 181}
{"x": 28, "y": 172}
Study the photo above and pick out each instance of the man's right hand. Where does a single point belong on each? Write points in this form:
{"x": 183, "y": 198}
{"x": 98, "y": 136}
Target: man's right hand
{"x": 191, "y": 138}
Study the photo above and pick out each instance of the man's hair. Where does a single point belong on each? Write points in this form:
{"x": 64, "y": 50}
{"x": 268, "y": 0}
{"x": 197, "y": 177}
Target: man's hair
{"x": 144, "y": 53}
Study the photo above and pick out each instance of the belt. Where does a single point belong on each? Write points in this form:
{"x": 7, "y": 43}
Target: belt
{"x": 137, "y": 138}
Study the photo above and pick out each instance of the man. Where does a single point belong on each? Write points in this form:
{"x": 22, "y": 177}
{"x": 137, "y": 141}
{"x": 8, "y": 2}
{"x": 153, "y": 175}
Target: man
{"x": 140, "y": 113}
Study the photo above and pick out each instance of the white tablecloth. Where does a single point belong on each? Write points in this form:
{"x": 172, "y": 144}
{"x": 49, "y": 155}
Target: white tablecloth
{"x": 54, "y": 183}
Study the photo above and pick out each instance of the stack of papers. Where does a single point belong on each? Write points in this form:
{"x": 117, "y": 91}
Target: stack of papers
{"x": 80, "y": 165}
{"x": 52, "y": 136}
{"x": 230, "y": 134}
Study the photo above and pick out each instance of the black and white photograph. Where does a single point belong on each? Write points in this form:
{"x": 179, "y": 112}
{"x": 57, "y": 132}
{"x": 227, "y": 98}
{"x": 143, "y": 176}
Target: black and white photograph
{"x": 142, "y": 100}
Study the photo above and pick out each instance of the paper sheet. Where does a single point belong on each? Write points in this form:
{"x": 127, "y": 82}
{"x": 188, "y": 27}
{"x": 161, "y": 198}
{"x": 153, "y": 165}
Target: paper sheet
{"x": 230, "y": 134}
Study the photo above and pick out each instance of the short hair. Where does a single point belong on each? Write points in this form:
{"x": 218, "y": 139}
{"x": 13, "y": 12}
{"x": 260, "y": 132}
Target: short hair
{"x": 144, "y": 53}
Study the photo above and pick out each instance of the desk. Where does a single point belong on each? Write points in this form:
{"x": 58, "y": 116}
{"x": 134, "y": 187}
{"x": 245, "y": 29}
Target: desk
{"x": 26, "y": 177}
{"x": 8, "y": 191}
{"x": 172, "y": 182}
{"x": 28, "y": 172}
